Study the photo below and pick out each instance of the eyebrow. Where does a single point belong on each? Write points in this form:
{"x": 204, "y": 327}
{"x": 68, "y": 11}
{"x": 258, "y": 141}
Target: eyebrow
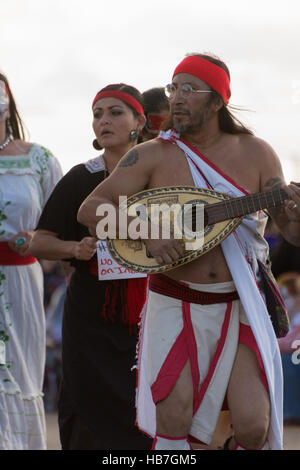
{"x": 110, "y": 107}
{"x": 185, "y": 82}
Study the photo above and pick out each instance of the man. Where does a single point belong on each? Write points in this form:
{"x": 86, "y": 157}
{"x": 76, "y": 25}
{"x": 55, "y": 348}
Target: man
{"x": 196, "y": 354}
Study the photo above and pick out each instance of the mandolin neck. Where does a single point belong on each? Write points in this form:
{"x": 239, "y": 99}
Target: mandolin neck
{"x": 241, "y": 206}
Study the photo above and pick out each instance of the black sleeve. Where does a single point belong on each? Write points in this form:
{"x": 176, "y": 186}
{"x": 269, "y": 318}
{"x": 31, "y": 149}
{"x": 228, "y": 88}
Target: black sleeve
{"x": 60, "y": 212}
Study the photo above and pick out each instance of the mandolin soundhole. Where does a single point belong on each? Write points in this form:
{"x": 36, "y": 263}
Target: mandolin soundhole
{"x": 194, "y": 218}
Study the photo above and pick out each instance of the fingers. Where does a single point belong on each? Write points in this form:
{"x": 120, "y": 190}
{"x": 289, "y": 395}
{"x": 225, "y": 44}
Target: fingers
{"x": 293, "y": 212}
{"x": 165, "y": 251}
{"x": 86, "y": 248}
{"x": 90, "y": 241}
{"x": 293, "y": 191}
{"x": 292, "y": 205}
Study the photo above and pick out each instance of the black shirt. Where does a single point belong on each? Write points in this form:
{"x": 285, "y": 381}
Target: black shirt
{"x": 98, "y": 356}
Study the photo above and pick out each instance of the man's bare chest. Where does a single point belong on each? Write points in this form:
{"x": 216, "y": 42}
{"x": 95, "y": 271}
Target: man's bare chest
{"x": 239, "y": 170}
{"x": 174, "y": 170}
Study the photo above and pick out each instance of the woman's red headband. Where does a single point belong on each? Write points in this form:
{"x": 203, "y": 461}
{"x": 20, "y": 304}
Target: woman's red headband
{"x": 210, "y": 73}
{"x": 120, "y": 95}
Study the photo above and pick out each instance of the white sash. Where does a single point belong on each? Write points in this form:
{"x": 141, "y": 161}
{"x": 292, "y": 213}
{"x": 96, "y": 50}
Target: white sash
{"x": 240, "y": 249}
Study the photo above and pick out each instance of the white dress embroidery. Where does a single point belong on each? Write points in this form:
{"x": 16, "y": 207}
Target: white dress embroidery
{"x": 26, "y": 182}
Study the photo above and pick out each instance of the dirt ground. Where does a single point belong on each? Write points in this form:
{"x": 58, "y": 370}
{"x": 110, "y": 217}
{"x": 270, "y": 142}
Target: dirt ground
{"x": 291, "y": 434}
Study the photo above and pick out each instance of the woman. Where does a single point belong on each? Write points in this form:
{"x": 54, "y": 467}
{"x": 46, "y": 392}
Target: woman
{"x": 96, "y": 406}
{"x": 28, "y": 174}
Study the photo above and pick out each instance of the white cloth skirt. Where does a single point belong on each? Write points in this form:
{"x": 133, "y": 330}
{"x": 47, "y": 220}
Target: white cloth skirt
{"x": 22, "y": 358}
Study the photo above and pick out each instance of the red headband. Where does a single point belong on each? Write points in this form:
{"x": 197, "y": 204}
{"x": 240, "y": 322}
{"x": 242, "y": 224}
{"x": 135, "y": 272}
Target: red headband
{"x": 120, "y": 95}
{"x": 155, "y": 121}
{"x": 210, "y": 73}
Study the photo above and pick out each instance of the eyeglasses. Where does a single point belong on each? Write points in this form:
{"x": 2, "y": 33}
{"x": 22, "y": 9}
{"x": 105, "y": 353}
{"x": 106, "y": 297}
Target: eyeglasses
{"x": 185, "y": 89}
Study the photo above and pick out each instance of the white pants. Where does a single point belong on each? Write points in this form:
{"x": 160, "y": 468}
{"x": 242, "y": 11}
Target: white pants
{"x": 174, "y": 332}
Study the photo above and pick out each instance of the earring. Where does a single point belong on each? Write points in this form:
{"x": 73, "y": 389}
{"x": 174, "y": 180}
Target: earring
{"x": 96, "y": 145}
{"x": 133, "y": 135}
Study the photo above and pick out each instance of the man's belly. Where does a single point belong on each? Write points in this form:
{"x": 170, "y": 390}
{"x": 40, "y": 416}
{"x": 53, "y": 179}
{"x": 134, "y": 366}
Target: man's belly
{"x": 209, "y": 268}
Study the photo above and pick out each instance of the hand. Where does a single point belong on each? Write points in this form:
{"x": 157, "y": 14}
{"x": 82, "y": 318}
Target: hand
{"x": 165, "y": 251}
{"x": 20, "y": 242}
{"x": 292, "y": 205}
{"x": 85, "y": 249}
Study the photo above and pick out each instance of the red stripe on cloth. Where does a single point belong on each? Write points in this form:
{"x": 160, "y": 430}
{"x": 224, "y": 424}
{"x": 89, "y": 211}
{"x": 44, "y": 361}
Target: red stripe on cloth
{"x": 192, "y": 347}
{"x": 154, "y": 443}
{"x": 246, "y": 337}
{"x": 9, "y": 257}
{"x": 171, "y": 369}
{"x": 171, "y": 438}
{"x": 215, "y": 358}
{"x": 184, "y": 348}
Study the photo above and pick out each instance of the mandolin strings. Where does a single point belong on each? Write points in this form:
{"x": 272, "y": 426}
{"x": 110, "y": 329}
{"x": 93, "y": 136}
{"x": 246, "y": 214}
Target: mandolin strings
{"x": 241, "y": 206}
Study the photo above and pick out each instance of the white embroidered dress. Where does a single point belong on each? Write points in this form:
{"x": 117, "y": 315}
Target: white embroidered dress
{"x": 26, "y": 182}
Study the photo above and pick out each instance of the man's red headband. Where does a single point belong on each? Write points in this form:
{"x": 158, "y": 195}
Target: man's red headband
{"x": 210, "y": 73}
{"x": 120, "y": 95}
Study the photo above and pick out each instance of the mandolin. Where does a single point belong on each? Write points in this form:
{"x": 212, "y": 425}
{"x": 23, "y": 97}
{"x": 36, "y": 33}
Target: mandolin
{"x": 219, "y": 214}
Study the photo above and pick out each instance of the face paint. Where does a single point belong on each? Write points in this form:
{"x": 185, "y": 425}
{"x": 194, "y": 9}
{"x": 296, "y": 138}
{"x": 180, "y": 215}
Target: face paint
{"x": 4, "y": 100}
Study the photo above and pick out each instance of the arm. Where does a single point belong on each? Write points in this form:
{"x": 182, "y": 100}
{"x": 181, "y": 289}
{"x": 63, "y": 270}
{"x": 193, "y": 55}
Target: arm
{"x": 47, "y": 245}
{"x": 58, "y": 235}
{"x": 286, "y": 217}
{"x": 133, "y": 174}
{"x": 130, "y": 176}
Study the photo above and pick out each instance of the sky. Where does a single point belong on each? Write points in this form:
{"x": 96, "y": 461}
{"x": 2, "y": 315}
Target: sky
{"x": 58, "y": 53}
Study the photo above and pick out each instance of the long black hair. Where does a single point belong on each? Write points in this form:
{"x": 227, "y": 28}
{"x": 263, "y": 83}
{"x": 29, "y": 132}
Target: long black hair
{"x": 15, "y": 125}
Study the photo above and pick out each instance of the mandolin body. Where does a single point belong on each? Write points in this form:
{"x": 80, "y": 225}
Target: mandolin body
{"x": 133, "y": 254}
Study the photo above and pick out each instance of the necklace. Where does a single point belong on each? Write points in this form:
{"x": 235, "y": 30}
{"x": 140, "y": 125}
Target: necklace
{"x": 6, "y": 142}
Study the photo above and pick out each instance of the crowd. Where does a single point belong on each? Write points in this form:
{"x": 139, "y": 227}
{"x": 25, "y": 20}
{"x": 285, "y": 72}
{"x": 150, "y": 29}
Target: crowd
{"x": 286, "y": 269}
{"x": 68, "y": 342}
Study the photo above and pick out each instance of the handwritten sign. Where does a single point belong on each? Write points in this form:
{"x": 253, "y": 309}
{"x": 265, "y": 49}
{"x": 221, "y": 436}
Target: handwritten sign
{"x": 108, "y": 268}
